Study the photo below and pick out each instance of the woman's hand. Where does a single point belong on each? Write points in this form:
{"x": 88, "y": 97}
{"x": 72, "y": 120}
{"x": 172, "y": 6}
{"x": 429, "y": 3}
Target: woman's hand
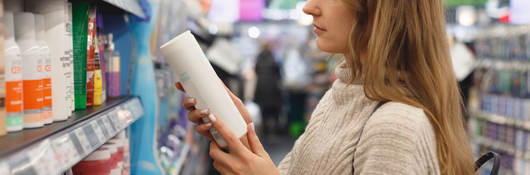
{"x": 240, "y": 159}
{"x": 196, "y": 115}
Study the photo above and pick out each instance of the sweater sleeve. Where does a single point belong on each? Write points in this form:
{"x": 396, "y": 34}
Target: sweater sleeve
{"x": 390, "y": 144}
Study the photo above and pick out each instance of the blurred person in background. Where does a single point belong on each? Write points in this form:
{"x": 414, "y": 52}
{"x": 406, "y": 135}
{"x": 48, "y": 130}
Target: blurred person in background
{"x": 395, "y": 108}
{"x": 268, "y": 92}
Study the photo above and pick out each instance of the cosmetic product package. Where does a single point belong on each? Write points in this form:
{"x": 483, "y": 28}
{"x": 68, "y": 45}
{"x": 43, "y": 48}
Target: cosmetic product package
{"x": 47, "y": 69}
{"x": 13, "y": 77}
{"x": 91, "y": 38}
{"x": 33, "y": 71}
{"x": 56, "y": 31}
{"x": 198, "y": 78}
{"x": 80, "y": 33}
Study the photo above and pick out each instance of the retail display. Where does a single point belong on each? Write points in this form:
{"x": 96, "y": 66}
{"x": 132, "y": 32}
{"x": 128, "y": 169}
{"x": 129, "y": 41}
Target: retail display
{"x": 198, "y": 78}
{"x": 13, "y": 77}
{"x": 500, "y": 103}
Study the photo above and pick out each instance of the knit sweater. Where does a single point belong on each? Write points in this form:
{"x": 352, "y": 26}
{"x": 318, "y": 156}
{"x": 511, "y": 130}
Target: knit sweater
{"x": 397, "y": 139}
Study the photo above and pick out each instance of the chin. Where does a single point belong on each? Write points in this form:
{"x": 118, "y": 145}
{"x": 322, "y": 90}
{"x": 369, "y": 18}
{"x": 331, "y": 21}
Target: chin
{"x": 328, "y": 46}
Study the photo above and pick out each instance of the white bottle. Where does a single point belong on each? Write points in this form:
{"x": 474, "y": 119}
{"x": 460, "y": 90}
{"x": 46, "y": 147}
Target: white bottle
{"x": 47, "y": 66}
{"x": 200, "y": 81}
{"x": 13, "y": 77}
{"x": 32, "y": 69}
{"x": 70, "y": 68}
{"x": 55, "y": 20}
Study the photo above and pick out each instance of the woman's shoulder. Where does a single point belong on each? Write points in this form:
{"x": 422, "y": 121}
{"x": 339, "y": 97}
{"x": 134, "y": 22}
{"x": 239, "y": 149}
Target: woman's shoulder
{"x": 400, "y": 114}
{"x": 401, "y": 120}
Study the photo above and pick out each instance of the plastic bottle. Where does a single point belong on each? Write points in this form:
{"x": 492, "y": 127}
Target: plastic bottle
{"x": 13, "y": 77}
{"x": 33, "y": 70}
{"x": 98, "y": 79}
{"x": 198, "y": 78}
{"x": 47, "y": 79}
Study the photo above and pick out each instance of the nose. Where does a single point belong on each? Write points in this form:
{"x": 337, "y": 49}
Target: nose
{"x": 311, "y": 8}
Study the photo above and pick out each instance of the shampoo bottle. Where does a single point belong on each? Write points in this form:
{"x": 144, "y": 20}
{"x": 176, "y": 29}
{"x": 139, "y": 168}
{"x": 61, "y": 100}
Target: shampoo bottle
{"x": 47, "y": 80}
{"x": 13, "y": 77}
{"x": 198, "y": 78}
{"x": 32, "y": 71}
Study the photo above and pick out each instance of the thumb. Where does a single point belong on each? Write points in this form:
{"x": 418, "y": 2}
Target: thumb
{"x": 253, "y": 141}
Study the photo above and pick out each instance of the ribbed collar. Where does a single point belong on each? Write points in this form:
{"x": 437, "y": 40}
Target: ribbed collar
{"x": 342, "y": 91}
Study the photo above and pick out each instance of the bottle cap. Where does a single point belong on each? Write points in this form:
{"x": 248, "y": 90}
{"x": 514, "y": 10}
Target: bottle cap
{"x": 9, "y": 25}
{"x": 39, "y": 26}
{"x": 24, "y": 25}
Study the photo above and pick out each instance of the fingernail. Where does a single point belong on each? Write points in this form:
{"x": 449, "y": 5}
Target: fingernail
{"x": 252, "y": 127}
{"x": 212, "y": 118}
{"x": 204, "y": 111}
{"x": 208, "y": 124}
{"x": 191, "y": 100}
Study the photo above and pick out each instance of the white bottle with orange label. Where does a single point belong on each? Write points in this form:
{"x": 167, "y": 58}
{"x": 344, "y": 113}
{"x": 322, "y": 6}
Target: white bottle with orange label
{"x": 47, "y": 66}
{"x": 32, "y": 71}
{"x": 13, "y": 77}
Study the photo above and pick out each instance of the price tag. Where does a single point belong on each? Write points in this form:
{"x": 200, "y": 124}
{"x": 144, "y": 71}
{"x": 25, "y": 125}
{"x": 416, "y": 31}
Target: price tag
{"x": 113, "y": 116}
{"x": 4, "y": 169}
{"x": 110, "y": 124}
{"x": 65, "y": 149}
{"x": 77, "y": 144}
{"x": 103, "y": 127}
{"x": 99, "y": 133}
{"x": 92, "y": 138}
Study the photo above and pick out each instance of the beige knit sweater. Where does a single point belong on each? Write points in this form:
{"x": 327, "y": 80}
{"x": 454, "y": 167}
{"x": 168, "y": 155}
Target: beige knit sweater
{"x": 397, "y": 139}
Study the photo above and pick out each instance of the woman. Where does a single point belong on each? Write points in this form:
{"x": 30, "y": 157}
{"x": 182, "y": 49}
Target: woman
{"x": 394, "y": 50}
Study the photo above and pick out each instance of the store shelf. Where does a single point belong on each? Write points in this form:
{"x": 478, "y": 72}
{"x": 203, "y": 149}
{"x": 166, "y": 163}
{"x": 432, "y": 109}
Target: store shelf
{"x": 54, "y": 148}
{"x": 484, "y": 141}
{"x": 502, "y": 120}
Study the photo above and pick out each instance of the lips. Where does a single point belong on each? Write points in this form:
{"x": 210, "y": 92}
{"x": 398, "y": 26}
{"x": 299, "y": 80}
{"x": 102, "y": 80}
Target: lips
{"x": 319, "y": 27}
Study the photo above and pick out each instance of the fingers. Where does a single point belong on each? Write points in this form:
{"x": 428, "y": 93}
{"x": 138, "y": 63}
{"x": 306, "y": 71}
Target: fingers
{"x": 189, "y": 103}
{"x": 196, "y": 116}
{"x": 179, "y": 86}
{"x": 204, "y": 130}
{"x": 233, "y": 143}
{"x": 253, "y": 141}
{"x": 219, "y": 155}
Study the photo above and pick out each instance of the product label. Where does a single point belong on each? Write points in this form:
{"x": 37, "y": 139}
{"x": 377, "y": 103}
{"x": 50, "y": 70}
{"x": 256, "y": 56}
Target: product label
{"x": 47, "y": 91}
{"x": 33, "y": 118}
{"x": 15, "y": 121}
{"x": 13, "y": 96}
{"x": 33, "y": 94}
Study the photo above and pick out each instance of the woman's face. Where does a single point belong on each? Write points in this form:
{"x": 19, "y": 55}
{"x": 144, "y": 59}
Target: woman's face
{"x": 332, "y": 21}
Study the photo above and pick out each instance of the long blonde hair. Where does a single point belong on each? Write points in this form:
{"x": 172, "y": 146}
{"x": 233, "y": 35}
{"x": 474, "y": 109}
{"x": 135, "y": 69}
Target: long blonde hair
{"x": 407, "y": 61}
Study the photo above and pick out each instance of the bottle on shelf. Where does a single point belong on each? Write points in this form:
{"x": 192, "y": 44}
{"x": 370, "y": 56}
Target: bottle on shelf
{"x": 47, "y": 69}
{"x": 13, "y": 77}
{"x": 33, "y": 71}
